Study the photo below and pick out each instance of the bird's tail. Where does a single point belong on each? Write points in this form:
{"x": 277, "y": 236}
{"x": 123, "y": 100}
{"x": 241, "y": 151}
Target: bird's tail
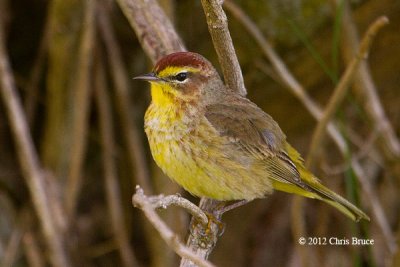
{"x": 311, "y": 187}
{"x": 318, "y": 191}
{"x": 337, "y": 201}
{"x": 322, "y": 193}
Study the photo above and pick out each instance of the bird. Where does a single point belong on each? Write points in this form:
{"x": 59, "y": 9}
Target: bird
{"x": 218, "y": 144}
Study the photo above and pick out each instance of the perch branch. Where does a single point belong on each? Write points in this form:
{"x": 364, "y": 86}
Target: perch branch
{"x": 218, "y": 28}
{"x": 202, "y": 240}
{"x": 342, "y": 87}
{"x": 163, "y": 202}
{"x": 147, "y": 206}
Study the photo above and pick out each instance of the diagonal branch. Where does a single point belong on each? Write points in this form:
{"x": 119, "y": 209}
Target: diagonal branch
{"x": 342, "y": 87}
{"x": 153, "y": 28}
{"x": 365, "y": 86}
{"x": 29, "y": 160}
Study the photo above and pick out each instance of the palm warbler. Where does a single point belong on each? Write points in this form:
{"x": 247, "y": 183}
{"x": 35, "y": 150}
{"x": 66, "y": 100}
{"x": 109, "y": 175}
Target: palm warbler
{"x": 218, "y": 144}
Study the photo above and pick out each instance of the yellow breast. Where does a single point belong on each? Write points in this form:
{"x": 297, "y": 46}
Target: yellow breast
{"x": 194, "y": 155}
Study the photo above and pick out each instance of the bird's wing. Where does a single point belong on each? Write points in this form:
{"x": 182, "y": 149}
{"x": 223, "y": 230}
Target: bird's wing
{"x": 257, "y": 133}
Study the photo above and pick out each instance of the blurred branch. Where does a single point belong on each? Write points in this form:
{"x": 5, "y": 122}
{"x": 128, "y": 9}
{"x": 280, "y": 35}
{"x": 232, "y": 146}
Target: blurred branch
{"x": 218, "y": 28}
{"x": 366, "y": 88}
{"x": 29, "y": 160}
{"x": 147, "y": 205}
{"x": 277, "y": 63}
{"x": 113, "y": 194}
{"x": 153, "y": 28}
{"x": 32, "y": 87}
{"x": 80, "y": 113}
{"x": 295, "y": 87}
{"x": 13, "y": 246}
{"x": 119, "y": 75}
{"x": 32, "y": 250}
{"x": 341, "y": 88}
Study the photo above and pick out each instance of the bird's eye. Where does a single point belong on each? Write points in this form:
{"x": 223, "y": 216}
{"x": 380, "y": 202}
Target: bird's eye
{"x": 180, "y": 77}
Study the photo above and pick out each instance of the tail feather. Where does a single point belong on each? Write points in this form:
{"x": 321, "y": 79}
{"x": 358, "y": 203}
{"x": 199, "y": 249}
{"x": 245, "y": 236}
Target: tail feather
{"x": 320, "y": 192}
{"x": 339, "y": 202}
{"x": 311, "y": 187}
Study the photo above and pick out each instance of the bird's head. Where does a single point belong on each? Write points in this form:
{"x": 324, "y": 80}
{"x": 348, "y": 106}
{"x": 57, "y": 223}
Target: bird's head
{"x": 183, "y": 77}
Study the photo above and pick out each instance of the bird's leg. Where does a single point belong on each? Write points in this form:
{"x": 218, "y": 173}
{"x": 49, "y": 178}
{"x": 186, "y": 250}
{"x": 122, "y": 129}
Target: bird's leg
{"x": 212, "y": 219}
{"x": 221, "y": 208}
{"x": 214, "y": 214}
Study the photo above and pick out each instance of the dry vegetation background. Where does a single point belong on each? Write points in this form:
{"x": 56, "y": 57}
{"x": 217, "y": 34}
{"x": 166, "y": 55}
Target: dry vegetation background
{"x": 66, "y": 185}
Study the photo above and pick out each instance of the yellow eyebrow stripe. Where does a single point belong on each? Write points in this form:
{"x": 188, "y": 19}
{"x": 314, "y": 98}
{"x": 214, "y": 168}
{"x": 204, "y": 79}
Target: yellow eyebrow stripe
{"x": 173, "y": 70}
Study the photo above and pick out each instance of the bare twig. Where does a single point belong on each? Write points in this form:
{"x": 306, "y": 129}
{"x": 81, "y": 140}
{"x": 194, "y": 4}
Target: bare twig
{"x": 119, "y": 75}
{"x": 81, "y": 109}
{"x": 294, "y": 86}
{"x": 29, "y": 160}
{"x": 163, "y": 202}
{"x": 365, "y": 87}
{"x": 112, "y": 189}
{"x": 140, "y": 200}
{"x": 218, "y": 28}
{"x": 152, "y": 27}
{"x": 341, "y": 89}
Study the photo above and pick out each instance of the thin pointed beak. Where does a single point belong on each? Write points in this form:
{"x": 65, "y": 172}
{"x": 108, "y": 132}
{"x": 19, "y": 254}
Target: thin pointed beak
{"x": 147, "y": 77}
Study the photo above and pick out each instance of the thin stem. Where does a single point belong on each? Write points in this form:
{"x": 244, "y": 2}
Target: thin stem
{"x": 80, "y": 113}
